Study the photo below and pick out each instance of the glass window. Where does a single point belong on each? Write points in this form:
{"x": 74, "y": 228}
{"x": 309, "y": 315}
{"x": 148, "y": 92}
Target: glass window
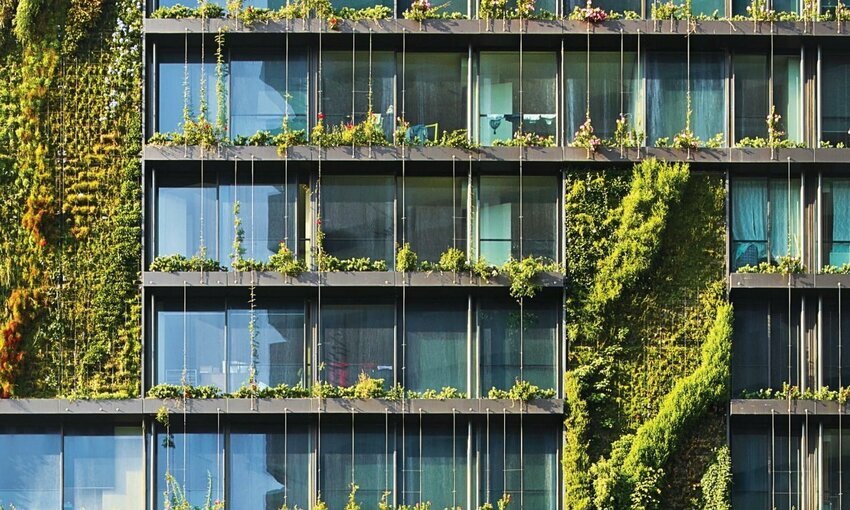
{"x": 202, "y": 334}
{"x": 761, "y": 348}
{"x": 835, "y": 458}
{"x": 186, "y": 217}
{"x": 715, "y": 8}
{"x": 506, "y": 105}
{"x": 341, "y": 99}
{"x": 752, "y": 95}
{"x": 835, "y": 98}
{"x": 835, "y": 333}
{"x": 435, "y": 463}
{"x": 274, "y": 461}
{"x": 267, "y": 89}
{"x": 31, "y": 467}
{"x": 667, "y": 92}
{"x": 450, "y": 7}
{"x": 194, "y": 460}
{"x": 739, "y": 7}
{"x": 170, "y": 90}
{"x": 104, "y": 468}
{"x": 751, "y": 460}
{"x": 765, "y": 220}
{"x": 609, "y": 5}
{"x": 521, "y": 462}
{"x": 613, "y": 90}
{"x": 265, "y": 4}
{"x": 357, "y": 339}
{"x": 437, "y": 345}
{"x": 357, "y": 216}
{"x": 370, "y": 468}
{"x": 836, "y": 221}
{"x": 517, "y": 343}
{"x": 502, "y": 234}
{"x": 435, "y": 215}
{"x": 278, "y": 344}
{"x": 435, "y": 96}
{"x": 268, "y": 215}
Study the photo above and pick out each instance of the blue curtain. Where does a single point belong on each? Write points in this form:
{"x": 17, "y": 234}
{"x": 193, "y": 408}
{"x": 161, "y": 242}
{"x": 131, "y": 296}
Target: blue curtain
{"x": 749, "y": 215}
{"x": 785, "y": 218}
{"x": 840, "y": 249}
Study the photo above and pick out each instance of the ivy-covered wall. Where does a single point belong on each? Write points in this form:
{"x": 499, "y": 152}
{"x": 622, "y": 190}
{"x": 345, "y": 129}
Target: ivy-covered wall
{"x": 648, "y": 335}
{"x": 70, "y": 131}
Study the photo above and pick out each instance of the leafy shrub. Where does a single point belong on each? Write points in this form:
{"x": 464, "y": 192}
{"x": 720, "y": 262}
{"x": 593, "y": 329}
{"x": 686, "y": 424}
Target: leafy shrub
{"x": 524, "y": 275}
{"x": 453, "y": 260}
{"x": 175, "y": 263}
{"x": 406, "y": 259}
{"x": 446, "y": 393}
{"x": 284, "y": 261}
{"x": 522, "y": 391}
{"x": 784, "y": 265}
{"x": 175, "y": 391}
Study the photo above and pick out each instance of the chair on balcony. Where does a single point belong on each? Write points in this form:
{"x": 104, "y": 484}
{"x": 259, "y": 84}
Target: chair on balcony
{"x": 417, "y": 134}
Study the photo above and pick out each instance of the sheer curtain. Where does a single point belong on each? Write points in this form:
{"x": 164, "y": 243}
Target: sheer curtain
{"x": 749, "y": 215}
{"x": 436, "y": 345}
{"x": 840, "y": 247}
{"x": 785, "y": 218}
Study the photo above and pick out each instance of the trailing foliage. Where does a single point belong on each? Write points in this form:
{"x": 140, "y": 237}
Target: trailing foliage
{"x": 175, "y": 263}
{"x": 783, "y": 265}
{"x": 524, "y": 275}
{"x": 716, "y": 483}
{"x": 522, "y": 391}
{"x": 176, "y": 391}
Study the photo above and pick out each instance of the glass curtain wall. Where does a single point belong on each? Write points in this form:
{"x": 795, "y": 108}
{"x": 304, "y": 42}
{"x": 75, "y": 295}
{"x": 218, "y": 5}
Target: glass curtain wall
{"x": 514, "y": 99}
{"x": 171, "y": 89}
{"x": 103, "y": 468}
{"x": 835, "y": 459}
{"x": 766, "y": 463}
{"x": 356, "y": 454}
{"x": 345, "y": 101}
{"x": 739, "y": 7}
{"x": 752, "y": 95}
{"x": 501, "y": 232}
{"x": 765, "y": 220}
{"x": 195, "y": 336}
{"x": 835, "y": 207}
{"x": 667, "y": 92}
{"x": 32, "y": 462}
{"x": 357, "y": 339}
{"x": 358, "y": 216}
{"x": 620, "y": 6}
{"x": 614, "y": 89}
{"x": 835, "y": 98}
{"x": 267, "y": 88}
{"x": 517, "y": 343}
{"x": 186, "y": 212}
{"x": 835, "y": 330}
{"x": 436, "y": 344}
{"x": 434, "y": 468}
{"x": 262, "y": 4}
{"x": 194, "y": 459}
{"x": 274, "y": 462}
{"x": 278, "y": 346}
{"x": 435, "y": 97}
{"x": 435, "y": 215}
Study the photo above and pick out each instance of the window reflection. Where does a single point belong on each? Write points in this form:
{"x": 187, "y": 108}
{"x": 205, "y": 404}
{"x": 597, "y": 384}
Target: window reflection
{"x": 30, "y": 478}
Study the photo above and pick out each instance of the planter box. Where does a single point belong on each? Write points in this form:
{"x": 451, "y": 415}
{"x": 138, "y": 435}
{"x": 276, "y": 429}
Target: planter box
{"x": 30, "y": 406}
{"x": 188, "y": 278}
{"x": 271, "y": 279}
{"x": 760, "y": 281}
{"x": 769, "y": 407}
{"x": 82, "y": 407}
{"x": 359, "y": 279}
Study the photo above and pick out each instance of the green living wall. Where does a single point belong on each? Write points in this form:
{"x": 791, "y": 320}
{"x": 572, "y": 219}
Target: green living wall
{"x": 649, "y": 334}
{"x": 70, "y": 96}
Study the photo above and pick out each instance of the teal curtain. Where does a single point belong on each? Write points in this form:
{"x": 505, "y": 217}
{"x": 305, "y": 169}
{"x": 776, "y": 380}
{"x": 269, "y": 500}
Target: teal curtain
{"x": 436, "y": 338}
{"x": 785, "y": 218}
{"x": 368, "y": 465}
{"x": 436, "y": 472}
{"x": 835, "y": 101}
{"x": 749, "y": 222}
{"x": 840, "y": 241}
{"x": 708, "y": 8}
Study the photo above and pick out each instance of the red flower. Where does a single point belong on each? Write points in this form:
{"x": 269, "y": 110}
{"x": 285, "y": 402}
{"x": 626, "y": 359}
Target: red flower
{"x": 321, "y": 116}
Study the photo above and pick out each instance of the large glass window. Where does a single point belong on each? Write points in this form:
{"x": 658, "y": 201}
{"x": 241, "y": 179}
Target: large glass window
{"x": 435, "y": 87}
{"x": 609, "y": 5}
{"x": 357, "y": 338}
{"x": 269, "y": 466}
{"x": 357, "y": 216}
{"x": 739, "y": 7}
{"x": 186, "y": 214}
{"x": 765, "y": 220}
{"x": 835, "y": 205}
{"x": 510, "y": 228}
{"x": 278, "y": 346}
{"x": 435, "y": 215}
{"x": 259, "y": 102}
{"x": 359, "y": 455}
{"x": 835, "y": 343}
{"x": 765, "y": 348}
{"x": 667, "y": 95}
{"x": 835, "y": 98}
{"x": 751, "y": 461}
{"x": 436, "y": 339}
{"x": 195, "y": 460}
{"x": 31, "y": 467}
{"x": 171, "y": 90}
{"x": 195, "y": 336}
{"x": 508, "y": 103}
{"x": 520, "y": 461}
{"x": 614, "y": 89}
{"x": 517, "y": 343}
{"x": 265, "y": 4}
{"x": 104, "y": 468}
{"x": 435, "y": 463}
{"x": 835, "y": 459}
{"x": 344, "y": 102}
{"x": 451, "y": 6}
{"x": 752, "y": 95}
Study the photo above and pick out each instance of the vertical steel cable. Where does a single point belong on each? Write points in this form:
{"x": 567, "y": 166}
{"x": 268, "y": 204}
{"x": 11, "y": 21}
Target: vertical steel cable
{"x": 285, "y": 457}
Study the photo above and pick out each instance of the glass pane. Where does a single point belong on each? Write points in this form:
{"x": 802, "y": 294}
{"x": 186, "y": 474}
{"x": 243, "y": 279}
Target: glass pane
{"x": 181, "y": 212}
{"x": 499, "y": 218}
{"x": 751, "y": 347}
{"x": 273, "y": 464}
{"x": 170, "y": 91}
{"x": 104, "y": 469}
{"x": 713, "y": 8}
{"x": 370, "y": 468}
{"x": 435, "y": 463}
{"x": 521, "y": 462}
{"x": 340, "y": 98}
{"x": 436, "y": 345}
{"x": 739, "y": 7}
{"x": 517, "y": 343}
{"x": 194, "y": 460}
{"x": 258, "y": 102}
{"x": 609, "y": 5}
{"x": 835, "y": 332}
{"x": 202, "y": 334}
{"x": 785, "y": 211}
{"x": 357, "y": 339}
{"x": 787, "y": 94}
{"x": 279, "y": 344}
{"x": 268, "y": 216}
{"x": 505, "y": 104}
{"x": 835, "y": 102}
{"x": 31, "y": 476}
{"x": 751, "y": 459}
{"x": 752, "y": 95}
{"x": 749, "y": 222}
{"x": 357, "y": 216}
{"x": 611, "y": 92}
{"x": 267, "y": 4}
{"x": 435, "y": 215}
{"x": 450, "y": 6}
{"x": 836, "y": 221}
{"x": 436, "y": 88}
{"x": 836, "y": 455}
{"x": 666, "y": 92}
